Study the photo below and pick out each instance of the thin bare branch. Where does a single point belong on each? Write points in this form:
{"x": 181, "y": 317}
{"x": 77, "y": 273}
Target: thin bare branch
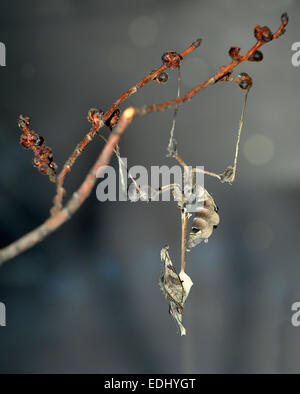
{"x": 99, "y": 119}
{"x": 77, "y": 199}
{"x": 170, "y": 60}
{"x": 221, "y": 73}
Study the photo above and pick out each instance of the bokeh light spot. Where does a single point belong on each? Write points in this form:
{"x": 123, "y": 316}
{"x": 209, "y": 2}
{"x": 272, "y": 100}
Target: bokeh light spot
{"x": 258, "y": 150}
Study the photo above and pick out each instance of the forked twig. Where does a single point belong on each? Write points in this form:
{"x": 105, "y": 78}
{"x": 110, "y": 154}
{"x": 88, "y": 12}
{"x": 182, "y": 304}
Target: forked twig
{"x": 221, "y": 73}
{"x": 98, "y": 120}
{"x": 61, "y": 214}
{"x": 77, "y": 199}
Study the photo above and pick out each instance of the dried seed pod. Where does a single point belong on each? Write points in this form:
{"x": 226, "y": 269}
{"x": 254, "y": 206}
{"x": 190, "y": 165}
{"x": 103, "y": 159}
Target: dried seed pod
{"x": 44, "y": 169}
{"x": 43, "y": 152}
{"x": 29, "y": 140}
{"x": 257, "y": 56}
{"x": 40, "y": 140}
{"x": 94, "y": 115}
{"x": 234, "y": 53}
{"x": 53, "y": 166}
{"x": 263, "y": 33}
{"x": 246, "y": 81}
{"x": 28, "y": 137}
{"x": 162, "y": 78}
{"x": 23, "y": 121}
{"x": 206, "y": 219}
{"x": 175, "y": 288}
{"x": 171, "y": 59}
{"x": 43, "y": 159}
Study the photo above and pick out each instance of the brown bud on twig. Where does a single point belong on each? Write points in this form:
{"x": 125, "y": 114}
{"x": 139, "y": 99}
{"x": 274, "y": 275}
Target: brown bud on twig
{"x": 171, "y": 59}
{"x": 246, "y": 81}
{"x": 94, "y": 115}
{"x": 263, "y": 33}
{"x": 31, "y": 139}
{"x": 234, "y": 53}
{"x": 285, "y": 18}
{"x": 256, "y": 57}
{"x": 43, "y": 157}
{"x": 23, "y": 121}
{"x": 197, "y": 42}
{"x": 162, "y": 78}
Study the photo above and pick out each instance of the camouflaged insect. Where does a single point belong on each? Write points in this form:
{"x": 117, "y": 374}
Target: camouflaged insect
{"x": 205, "y": 221}
{"x": 175, "y": 288}
{"x": 190, "y": 192}
{"x": 172, "y": 147}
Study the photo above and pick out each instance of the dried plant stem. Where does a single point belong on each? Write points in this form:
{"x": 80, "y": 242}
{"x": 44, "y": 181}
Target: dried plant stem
{"x": 60, "y": 191}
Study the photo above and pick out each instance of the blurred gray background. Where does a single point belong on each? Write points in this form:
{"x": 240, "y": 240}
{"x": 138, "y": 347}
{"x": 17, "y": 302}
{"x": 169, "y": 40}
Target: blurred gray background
{"x": 87, "y": 298}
